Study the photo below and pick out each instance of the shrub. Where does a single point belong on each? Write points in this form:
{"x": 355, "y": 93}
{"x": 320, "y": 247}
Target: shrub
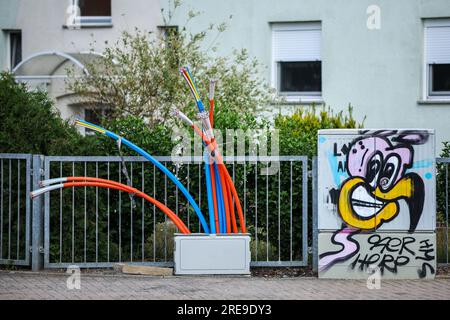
{"x": 161, "y": 242}
{"x": 298, "y": 132}
{"x": 30, "y": 124}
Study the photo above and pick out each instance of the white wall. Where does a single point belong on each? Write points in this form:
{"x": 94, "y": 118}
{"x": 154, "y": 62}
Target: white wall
{"x": 379, "y": 72}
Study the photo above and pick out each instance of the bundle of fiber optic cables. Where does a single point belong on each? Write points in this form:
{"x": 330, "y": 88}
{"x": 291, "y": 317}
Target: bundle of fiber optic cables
{"x": 221, "y": 192}
{"x": 222, "y": 195}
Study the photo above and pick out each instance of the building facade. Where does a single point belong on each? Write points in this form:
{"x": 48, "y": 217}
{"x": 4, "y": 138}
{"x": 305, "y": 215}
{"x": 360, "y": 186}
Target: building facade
{"x": 50, "y": 35}
{"x": 389, "y": 59}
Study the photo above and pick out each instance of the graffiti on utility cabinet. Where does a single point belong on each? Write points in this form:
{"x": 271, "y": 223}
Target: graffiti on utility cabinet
{"x": 376, "y": 191}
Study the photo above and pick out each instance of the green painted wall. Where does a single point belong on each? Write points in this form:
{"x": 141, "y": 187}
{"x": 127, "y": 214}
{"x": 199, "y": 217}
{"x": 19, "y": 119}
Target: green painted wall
{"x": 378, "y": 71}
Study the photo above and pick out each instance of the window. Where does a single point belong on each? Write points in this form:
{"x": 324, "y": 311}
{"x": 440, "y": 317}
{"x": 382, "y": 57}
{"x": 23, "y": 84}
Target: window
{"x": 167, "y": 31}
{"x": 437, "y": 60}
{"x": 95, "y": 8}
{"x": 96, "y": 114}
{"x": 15, "y": 48}
{"x": 297, "y": 66}
{"x": 93, "y": 13}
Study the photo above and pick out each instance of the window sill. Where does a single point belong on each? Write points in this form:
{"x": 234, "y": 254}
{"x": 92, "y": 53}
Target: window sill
{"x": 296, "y": 100}
{"x": 88, "y": 25}
{"x": 434, "y": 101}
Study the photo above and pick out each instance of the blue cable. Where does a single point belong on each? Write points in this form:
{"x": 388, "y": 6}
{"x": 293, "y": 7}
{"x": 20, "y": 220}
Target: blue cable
{"x": 220, "y": 201}
{"x": 209, "y": 194}
{"x": 219, "y": 206}
{"x": 159, "y": 166}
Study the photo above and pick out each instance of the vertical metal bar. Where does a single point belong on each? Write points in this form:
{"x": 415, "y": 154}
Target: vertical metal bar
{"x": 165, "y": 216}
{"x": 120, "y": 214}
{"x": 9, "y": 211}
{"x": 143, "y": 216}
{"x": 188, "y": 188}
{"x": 199, "y": 190}
{"x": 256, "y": 210}
{"x": 28, "y": 183}
{"x": 37, "y": 261}
{"x": 107, "y": 211}
{"x": 154, "y": 215}
{"x": 234, "y": 181}
{"x": 131, "y": 214}
{"x": 96, "y": 214}
{"x": 1, "y": 210}
{"x": 305, "y": 212}
{"x": 85, "y": 213}
{"x": 267, "y": 214}
{"x": 245, "y": 191}
{"x": 60, "y": 214}
{"x": 446, "y": 211}
{"x": 314, "y": 216}
{"x": 290, "y": 213}
{"x": 73, "y": 215}
{"x": 176, "y": 190}
{"x": 37, "y": 215}
{"x": 279, "y": 213}
{"x": 18, "y": 211}
{"x": 234, "y": 171}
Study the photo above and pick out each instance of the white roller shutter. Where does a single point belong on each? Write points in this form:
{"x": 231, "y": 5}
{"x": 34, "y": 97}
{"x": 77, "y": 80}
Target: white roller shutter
{"x": 437, "y": 44}
{"x": 296, "y": 42}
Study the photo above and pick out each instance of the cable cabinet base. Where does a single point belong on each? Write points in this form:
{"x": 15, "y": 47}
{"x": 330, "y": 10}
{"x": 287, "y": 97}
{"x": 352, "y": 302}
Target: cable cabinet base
{"x": 200, "y": 254}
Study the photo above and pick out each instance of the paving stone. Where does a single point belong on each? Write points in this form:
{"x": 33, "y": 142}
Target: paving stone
{"x": 28, "y": 285}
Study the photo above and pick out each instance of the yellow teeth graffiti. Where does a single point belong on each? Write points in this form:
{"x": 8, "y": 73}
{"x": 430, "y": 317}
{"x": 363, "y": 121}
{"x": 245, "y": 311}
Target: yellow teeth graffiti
{"x": 378, "y": 180}
{"x": 377, "y": 206}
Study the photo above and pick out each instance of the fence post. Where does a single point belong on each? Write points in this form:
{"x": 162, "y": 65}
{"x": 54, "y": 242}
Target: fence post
{"x": 314, "y": 215}
{"x": 37, "y": 229}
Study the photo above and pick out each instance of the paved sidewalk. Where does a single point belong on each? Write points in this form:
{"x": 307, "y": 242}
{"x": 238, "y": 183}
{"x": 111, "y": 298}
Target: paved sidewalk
{"x": 28, "y": 285}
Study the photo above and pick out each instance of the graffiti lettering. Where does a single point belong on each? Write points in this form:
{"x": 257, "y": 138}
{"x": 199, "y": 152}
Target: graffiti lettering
{"x": 391, "y": 244}
{"x": 426, "y": 248}
{"x": 423, "y": 272}
{"x": 389, "y": 253}
{"x": 386, "y": 261}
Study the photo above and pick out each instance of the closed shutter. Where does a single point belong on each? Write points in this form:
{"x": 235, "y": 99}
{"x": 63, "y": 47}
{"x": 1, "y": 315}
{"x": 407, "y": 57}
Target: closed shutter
{"x": 296, "y": 42}
{"x": 438, "y": 44}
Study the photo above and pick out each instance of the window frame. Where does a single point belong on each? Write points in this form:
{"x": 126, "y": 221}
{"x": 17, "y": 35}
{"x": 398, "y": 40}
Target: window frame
{"x": 8, "y": 55}
{"x": 296, "y": 93}
{"x": 91, "y": 21}
{"x": 428, "y": 93}
{"x": 294, "y": 96}
{"x": 100, "y": 110}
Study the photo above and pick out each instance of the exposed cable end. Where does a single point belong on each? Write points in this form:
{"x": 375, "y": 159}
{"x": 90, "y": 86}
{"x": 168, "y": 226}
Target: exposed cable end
{"x": 182, "y": 117}
{"x": 48, "y": 182}
{"x": 212, "y": 88}
{"x": 41, "y": 191}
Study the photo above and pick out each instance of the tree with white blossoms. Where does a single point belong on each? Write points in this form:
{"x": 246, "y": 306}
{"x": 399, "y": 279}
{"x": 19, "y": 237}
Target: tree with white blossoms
{"x": 139, "y": 74}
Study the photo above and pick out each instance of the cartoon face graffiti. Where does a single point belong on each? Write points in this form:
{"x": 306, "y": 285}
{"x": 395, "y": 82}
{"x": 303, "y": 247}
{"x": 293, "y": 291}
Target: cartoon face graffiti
{"x": 378, "y": 180}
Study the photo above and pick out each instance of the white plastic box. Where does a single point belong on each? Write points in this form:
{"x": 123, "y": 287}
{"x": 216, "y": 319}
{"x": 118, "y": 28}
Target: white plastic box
{"x": 197, "y": 254}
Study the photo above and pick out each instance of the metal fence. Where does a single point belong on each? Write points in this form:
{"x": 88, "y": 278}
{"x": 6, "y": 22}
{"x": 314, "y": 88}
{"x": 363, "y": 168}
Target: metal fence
{"x": 442, "y": 198}
{"x": 15, "y": 174}
{"x": 93, "y": 227}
